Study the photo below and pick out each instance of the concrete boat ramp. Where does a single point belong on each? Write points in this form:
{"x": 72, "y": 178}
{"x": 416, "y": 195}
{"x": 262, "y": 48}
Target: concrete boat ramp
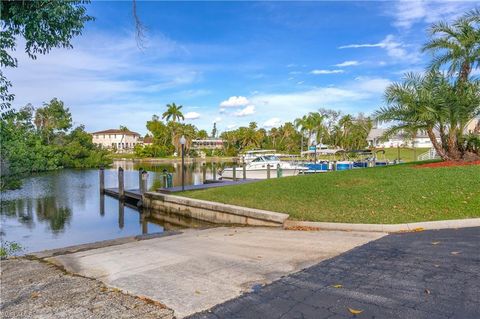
{"x": 197, "y": 269}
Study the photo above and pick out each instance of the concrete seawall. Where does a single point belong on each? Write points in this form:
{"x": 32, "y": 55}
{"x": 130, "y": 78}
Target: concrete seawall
{"x": 217, "y": 213}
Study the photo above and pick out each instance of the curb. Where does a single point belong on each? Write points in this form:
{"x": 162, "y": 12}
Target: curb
{"x": 213, "y": 211}
{"x": 384, "y": 228}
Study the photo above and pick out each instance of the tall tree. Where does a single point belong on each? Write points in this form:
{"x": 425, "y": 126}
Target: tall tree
{"x": 214, "y": 130}
{"x": 52, "y": 118}
{"x": 43, "y": 24}
{"x": 456, "y": 45}
{"x": 173, "y": 113}
{"x": 432, "y": 103}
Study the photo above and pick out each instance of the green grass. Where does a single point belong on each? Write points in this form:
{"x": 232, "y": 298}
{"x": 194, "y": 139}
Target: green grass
{"x": 406, "y": 154}
{"x": 393, "y": 194}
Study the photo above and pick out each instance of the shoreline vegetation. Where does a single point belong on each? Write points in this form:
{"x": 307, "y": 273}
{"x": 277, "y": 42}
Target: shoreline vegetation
{"x": 382, "y": 195}
{"x": 43, "y": 139}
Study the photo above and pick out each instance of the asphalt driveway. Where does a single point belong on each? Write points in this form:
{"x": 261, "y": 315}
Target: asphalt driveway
{"x": 429, "y": 274}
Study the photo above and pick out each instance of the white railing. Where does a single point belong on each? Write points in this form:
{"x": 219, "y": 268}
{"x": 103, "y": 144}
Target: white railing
{"x": 429, "y": 155}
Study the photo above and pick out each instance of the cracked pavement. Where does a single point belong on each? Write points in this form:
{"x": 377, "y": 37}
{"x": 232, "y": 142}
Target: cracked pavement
{"x": 429, "y": 274}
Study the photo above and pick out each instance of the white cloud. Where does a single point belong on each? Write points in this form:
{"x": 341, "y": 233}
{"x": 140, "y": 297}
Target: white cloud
{"x": 235, "y": 101}
{"x": 218, "y": 119}
{"x": 326, "y": 71}
{"x": 273, "y": 122}
{"x": 407, "y": 13}
{"x": 393, "y": 48}
{"x": 232, "y": 126}
{"x": 248, "y": 110}
{"x": 347, "y": 63}
{"x": 192, "y": 116}
{"x": 371, "y": 85}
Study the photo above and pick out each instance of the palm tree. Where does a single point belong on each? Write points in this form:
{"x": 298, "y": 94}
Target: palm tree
{"x": 123, "y": 129}
{"x": 431, "y": 102}
{"x": 456, "y": 45}
{"x": 301, "y": 124}
{"x": 413, "y": 105}
{"x": 188, "y": 131}
{"x": 173, "y": 112}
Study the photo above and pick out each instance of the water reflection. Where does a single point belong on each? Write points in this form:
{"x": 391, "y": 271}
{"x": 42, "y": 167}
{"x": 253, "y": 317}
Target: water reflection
{"x": 193, "y": 172}
{"x": 63, "y": 208}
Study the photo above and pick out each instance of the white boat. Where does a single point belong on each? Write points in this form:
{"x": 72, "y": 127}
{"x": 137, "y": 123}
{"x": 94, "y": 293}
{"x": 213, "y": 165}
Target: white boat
{"x": 249, "y": 156}
{"x": 257, "y": 168}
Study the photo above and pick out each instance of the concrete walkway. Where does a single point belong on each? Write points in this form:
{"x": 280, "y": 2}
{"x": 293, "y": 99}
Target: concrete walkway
{"x": 422, "y": 275}
{"x": 199, "y": 269}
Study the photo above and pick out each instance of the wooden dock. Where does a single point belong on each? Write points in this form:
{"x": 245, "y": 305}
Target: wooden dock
{"x": 132, "y": 194}
{"x": 137, "y": 194}
{"x": 209, "y": 184}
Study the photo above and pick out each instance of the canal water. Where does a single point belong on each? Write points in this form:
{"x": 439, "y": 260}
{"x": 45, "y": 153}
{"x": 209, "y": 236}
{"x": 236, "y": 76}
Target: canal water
{"x": 63, "y": 208}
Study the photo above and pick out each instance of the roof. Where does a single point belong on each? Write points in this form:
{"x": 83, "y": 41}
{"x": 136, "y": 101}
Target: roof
{"x": 116, "y": 131}
{"x": 148, "y": 140}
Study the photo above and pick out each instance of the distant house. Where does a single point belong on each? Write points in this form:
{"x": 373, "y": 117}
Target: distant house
{"x": 376, "y": 138}
{"x": 473, "y": 126}
{"x": 207, "y": 144}
{"x": 119, "y": 140}
{"x": 147, "y": 141}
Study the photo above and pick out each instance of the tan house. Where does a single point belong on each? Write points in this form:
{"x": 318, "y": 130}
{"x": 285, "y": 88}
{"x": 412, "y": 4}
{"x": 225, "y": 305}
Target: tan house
{"x": 473, "y": 126}
{"x": 119, "y": 140}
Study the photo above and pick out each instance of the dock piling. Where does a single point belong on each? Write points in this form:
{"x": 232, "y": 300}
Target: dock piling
{"x": 101, "y": 173}
{"x": 121, "y": 184}
{"x": 214, "y": 171}
{"x": 268, "y": 171}
{"x": 204, "y": 172}
{"x": 140, "y": 171}
{"x": 234, "y": 171}
{"x": 143, "y": 182}
{"x": 244, "y": 171}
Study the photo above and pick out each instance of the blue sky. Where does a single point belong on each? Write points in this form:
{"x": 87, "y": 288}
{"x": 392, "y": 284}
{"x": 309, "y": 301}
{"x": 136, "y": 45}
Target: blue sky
{"x": 231, "y": 62}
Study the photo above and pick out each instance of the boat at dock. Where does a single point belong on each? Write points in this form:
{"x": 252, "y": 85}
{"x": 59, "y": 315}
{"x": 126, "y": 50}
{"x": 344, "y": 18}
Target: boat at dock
{"x": 262, "y": 166}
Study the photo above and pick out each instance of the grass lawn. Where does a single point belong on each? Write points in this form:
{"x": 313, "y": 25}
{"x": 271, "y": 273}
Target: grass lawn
{"x": 393, "y": 194}
{"x": 406, "y": 154}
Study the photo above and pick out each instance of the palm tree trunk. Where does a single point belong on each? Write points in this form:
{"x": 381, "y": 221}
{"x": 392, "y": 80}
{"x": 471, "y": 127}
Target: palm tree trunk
{"x": 438, "y": 147}
{"x": 452, "y": 142}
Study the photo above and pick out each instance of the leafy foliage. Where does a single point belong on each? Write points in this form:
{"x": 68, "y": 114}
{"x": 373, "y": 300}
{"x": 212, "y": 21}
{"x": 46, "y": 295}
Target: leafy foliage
{"x": 41, "y": 140}
{"x": 442, "y": 104}
{"x": 43, "y": 24}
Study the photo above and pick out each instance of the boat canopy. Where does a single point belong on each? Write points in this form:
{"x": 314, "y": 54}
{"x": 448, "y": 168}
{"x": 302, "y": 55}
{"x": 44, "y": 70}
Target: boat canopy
{"x": 327, "y": 151}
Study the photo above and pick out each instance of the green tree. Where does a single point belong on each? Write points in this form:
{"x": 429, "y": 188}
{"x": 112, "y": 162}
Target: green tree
{"x": 202, "y": 135}
{"x": 456, "y": 45}
{"x": 432, "y": 103}
{"x": 214, "y": 130}
{"x": 43, "y": 24}
{"x": 53, "y": 118}
{"x": 173, "y": 113}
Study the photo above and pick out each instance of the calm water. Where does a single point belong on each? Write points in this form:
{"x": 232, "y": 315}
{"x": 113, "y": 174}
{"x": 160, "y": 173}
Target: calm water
{"x": 63, "y": 208}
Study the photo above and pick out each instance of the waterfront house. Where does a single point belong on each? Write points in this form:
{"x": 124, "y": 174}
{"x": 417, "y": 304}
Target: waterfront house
{"x": 122, "y": 141}
{"x": 207, "y": 144}
{"x": 376, "y": 138}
